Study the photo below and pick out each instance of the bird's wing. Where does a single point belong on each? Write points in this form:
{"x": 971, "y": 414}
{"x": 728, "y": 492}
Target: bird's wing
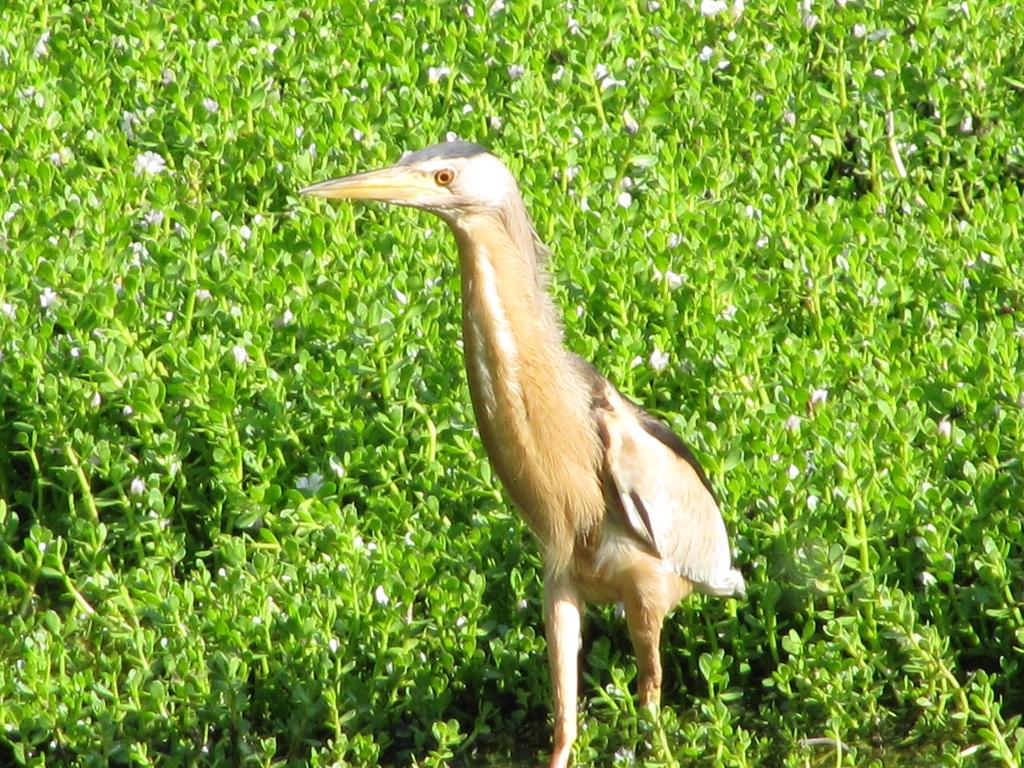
{"x": 664, "y": 496}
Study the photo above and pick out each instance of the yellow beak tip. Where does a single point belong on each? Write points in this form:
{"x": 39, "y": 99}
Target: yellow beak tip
{"x": 311, "y": 191}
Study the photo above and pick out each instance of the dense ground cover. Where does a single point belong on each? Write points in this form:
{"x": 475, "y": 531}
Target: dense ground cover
{"x": 245, "y": 517}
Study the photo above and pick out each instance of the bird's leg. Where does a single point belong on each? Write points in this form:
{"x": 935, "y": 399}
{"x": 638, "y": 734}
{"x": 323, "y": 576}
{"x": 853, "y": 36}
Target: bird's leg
{"x": 562, "y": 608}
{"x": 644, "y": 622}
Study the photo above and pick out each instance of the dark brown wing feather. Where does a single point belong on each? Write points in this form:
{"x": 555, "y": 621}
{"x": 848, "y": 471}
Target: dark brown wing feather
{"x": 660, "y": 493}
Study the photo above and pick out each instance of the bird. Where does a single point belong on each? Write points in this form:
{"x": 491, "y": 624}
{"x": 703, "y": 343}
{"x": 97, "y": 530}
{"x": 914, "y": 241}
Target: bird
{"x": 620, "y": 506}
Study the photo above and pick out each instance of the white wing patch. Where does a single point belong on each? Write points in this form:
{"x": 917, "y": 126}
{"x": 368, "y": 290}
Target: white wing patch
{"x": 665, "y": 503}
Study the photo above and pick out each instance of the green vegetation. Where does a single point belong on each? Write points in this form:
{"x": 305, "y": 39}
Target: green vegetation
{"x": 244, "y": 515}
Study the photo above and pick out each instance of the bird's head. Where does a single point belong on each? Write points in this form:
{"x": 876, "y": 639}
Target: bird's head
{"x": 451, "y": 179}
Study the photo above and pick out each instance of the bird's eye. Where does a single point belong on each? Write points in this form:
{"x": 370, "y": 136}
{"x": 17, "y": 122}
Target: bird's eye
{"x": 444, "y": 177}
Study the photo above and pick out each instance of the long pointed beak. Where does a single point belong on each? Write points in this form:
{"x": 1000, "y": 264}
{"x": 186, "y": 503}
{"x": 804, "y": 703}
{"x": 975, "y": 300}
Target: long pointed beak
{"x": 397, "y": 184}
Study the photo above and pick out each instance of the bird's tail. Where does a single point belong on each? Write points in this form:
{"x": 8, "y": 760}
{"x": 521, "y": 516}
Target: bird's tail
{"x": 732, "y": 585}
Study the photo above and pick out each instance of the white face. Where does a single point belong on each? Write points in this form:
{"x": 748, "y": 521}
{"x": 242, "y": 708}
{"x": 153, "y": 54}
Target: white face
{"x": 484, "y": 181}
{"x": 478, "y": 182}
{"x": 450, "y": 180}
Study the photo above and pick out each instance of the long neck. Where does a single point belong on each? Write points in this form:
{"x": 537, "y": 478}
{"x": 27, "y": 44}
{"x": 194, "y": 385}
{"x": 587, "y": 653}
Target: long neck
{"x": 532, "y": 405}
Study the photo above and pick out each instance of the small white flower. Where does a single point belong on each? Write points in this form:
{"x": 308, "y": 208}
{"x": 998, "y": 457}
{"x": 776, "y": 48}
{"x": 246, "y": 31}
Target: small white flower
{"x": 793, "y": 471}
{"x": 927, "y": 579}
{"x": 245, "y": 232}
{"x": 468, "y": 11}
{"x": 658, "y": 360}
{"x": 240, "y": 354}
{"x": 630, "y": 123}
{"x": 789, "y": 116}
{"x": 574, "y": 27}
{"x": 625, "y": 199}
{"x": 496, "y": 7}
{"x": 706, "y": 53}
{"x": 42, "y": 50}
{"x": 558, "y": 74}
{"x": 203, "y": 295}
{"x": 287, "y": 317}
{"x": 211, "y": 106}
{"x": 945, "y": 429}
{"x": 8, "y": 309}
{"x": 810, "y": 20}
{"x": 153, "y": 218}
{"x": 436, "y": 74}
{"x": 97, "y": 400}
{"x": 674, "y": 279}
{"x": 312, "y": 483}
{"x": 793, "y": 423}
{"x": 723, "y": 64}
{"x": 516, "y": 71}
{"x": 139, "y": 252}
{"x": 127, "y": 411}
{"x": 737, "y": 9}
{"x": 602, "y": 73}
{"x": 728, "y": 313}
{"x": 712, "y": 7}
{"x": 333, "y": 644}
{"x": 859, "y": 30}
{"x": 653, "y": 6}
{"x": 400, "y": 297}
{"x": 812, "y": 502}
{"x": 48, "y": 298}
{"x": 818, "y": 397}
{"x": 149, "y": 164}
{"x": 138, "y": 486}
{"x": 495, "y": 123}
{"x": 380, "y": 596}
{"x": 635, "y": 361}
{"x": 336, "y": 466}
{"x": 967, "y": 124}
